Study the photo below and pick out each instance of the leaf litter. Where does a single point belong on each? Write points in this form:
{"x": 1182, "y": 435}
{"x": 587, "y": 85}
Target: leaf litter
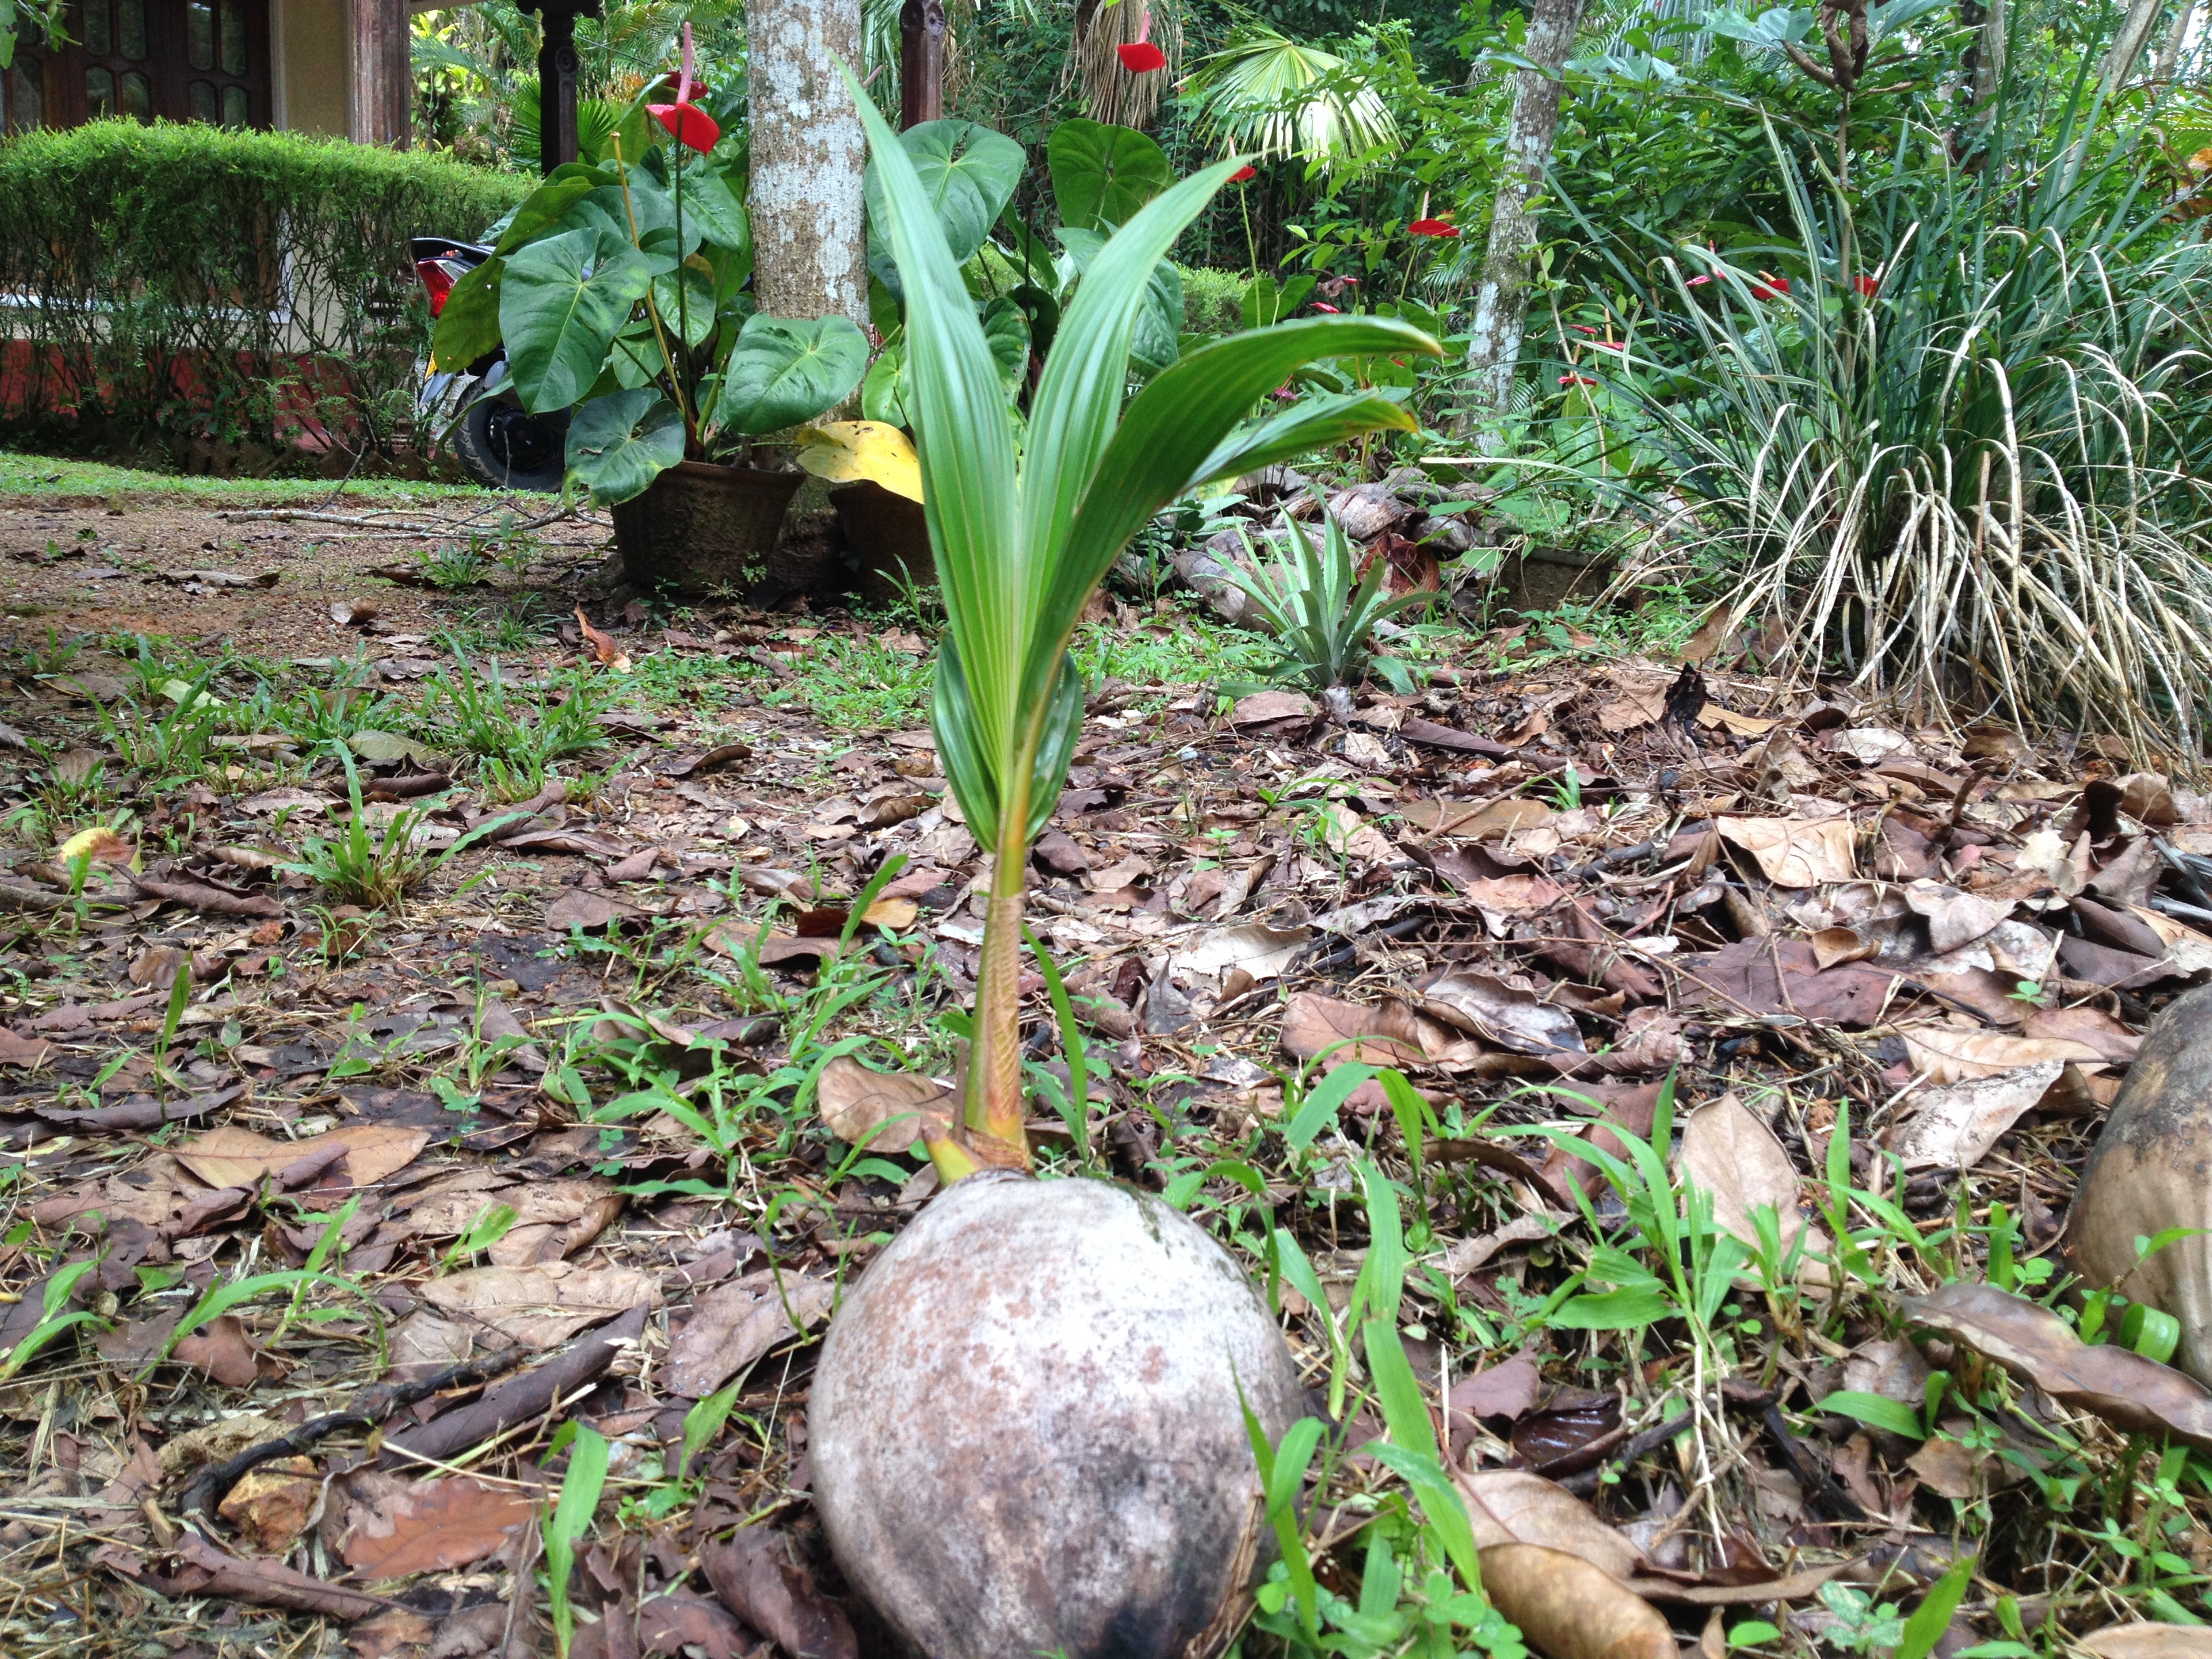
{"x": 619, "y": 1097}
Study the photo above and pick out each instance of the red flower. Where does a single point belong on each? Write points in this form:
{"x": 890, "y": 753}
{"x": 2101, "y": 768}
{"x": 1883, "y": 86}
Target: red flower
{"x": 1243, "y": 174}
{"x": 1869, "y": 286}
{"x": 1770, "y": 287}
{"x": 1576, "y": 380}
{"x": 1142, "y": 57}
{"x": 688, "y": 125}
{"x": 1698, "y": 281}
{"x": 1582, "y": 328}
{"x": 1608, "y": 346}
{"x": 686, "y": 122}
{"x": 1432, "y": 228}
{"x": 1319, "y": 305}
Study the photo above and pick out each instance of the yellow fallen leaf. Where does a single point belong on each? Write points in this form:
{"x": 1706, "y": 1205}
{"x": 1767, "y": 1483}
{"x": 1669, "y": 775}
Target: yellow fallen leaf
{"x": 846, "y": 452}
{"x": 101, "y": 845}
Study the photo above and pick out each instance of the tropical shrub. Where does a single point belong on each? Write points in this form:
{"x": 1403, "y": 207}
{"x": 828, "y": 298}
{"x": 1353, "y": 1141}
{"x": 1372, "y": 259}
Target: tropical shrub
{"x": 184, "y": 281}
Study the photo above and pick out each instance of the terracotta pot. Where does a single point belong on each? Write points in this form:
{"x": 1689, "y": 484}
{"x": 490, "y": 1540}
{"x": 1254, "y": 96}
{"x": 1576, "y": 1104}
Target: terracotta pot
{"x": 889, "y": 537}
{"x": 700, "y": 527}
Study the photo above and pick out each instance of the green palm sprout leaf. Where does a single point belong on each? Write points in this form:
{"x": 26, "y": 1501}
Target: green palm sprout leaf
{"x": 1023, "y": 531}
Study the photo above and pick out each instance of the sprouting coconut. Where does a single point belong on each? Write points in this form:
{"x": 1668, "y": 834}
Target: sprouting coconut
{"x": 1027, "y": 1436}
{"x": 1026, "y": 1430}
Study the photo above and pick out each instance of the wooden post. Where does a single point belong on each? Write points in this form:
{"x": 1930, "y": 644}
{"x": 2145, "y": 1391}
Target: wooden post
{"x": 921, "y": 62}
{"x": 383, "y": 79}
{"x": 556, "y": 76}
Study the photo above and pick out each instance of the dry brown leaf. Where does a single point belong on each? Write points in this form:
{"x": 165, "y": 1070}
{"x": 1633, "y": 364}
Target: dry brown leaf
{"x": 1833, "y": 944}
{"x": 604, "y": 652}
{"x": 1731, "y": 1153}
{"x": 398, "y": 1528}
{"x": 2145, "y": 1641}
{"x": 1954, "y": 1126}
{"x": 2093, "y": 1026}
{"x": 886, "y": 1110}
{"x": 23, "y": 1051}
{"x": 544, "y": 1304}
{"x": 2036, "y": 1346}
{"x": 1389, "y": 1034}
{"x": 1568, "y": 1609}
{"x": 1945, "y": 1053}
{"x": 735, "y": 1324}
{"x": 1263, "y": 952}
{"x": 1264, "y": 706}
{"x": 269, "y": 1505}
{"x": 1955, "y": 920}
{"x": 1513, "y": 1506}
{"x": 1641, "y": 706}
{"x": 1488, "y": 1008}
{"x": 1796, "y": 852}
{"x": 220, "y": 1348}
{"x": 753, "y": 1573}
{"x": 231, "y": 1156}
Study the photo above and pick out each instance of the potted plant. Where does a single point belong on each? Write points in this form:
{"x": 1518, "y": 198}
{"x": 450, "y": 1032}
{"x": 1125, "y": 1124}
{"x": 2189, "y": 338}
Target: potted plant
{"x": 620, "y": 291}
{"x": 1027, "y": 1428}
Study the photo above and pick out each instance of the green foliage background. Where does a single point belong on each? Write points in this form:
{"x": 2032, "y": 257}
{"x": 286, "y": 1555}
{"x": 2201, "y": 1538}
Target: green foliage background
{"x": 275, "y": 265}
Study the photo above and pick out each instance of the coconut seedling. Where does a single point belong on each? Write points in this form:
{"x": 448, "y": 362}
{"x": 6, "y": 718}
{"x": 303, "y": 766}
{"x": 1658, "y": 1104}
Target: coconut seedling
{"x": 1029, "y": 1431}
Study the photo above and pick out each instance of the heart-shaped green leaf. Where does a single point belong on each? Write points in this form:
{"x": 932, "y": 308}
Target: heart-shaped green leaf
{"x": 1102, "y": 174}
{"x": 970, "y": 172}
{"x": 620, "y": 443}
{"x": 784, "y": 371}
{"x": 559, "y": 311}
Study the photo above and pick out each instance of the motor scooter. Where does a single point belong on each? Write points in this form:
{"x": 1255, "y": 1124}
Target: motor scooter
{"x": 498, "y": 443}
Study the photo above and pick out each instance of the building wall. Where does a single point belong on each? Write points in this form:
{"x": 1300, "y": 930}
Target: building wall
{"x": 311, "y": 40}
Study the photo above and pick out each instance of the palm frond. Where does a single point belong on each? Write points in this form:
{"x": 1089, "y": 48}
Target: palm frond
{"x": 1268, "y": 96}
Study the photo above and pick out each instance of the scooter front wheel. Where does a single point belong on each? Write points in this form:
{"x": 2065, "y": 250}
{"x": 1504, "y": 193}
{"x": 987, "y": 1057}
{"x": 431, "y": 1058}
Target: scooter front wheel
{"x": 501, "y": 444}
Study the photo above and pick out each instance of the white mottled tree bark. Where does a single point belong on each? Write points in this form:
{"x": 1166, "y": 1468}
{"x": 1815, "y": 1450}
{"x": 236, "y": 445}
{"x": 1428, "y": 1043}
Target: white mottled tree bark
{"x": 2128, "y": 45}
{"x": 1501, "y": 303}
{"x": 2169, "y": 55}
{"x": 809, "y": 160}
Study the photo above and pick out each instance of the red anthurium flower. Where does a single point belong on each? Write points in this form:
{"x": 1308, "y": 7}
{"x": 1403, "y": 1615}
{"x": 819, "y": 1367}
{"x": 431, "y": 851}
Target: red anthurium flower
{"x": 1319, "y": 305}
{"x": 688, "y": 125}
{"x": 1432, "y": 228}
{"x": 1770, "y": 287}
{"x": 1868, "y": 285}
{"x": 1243, "y": 174}
{"x": 1144, "y": 57}
{"x": 1576, "y": 380}
{"x": 1582, "y": 328}
{"x": 1698, "y": 281}
{"x": 1608, "y": 346}
{"x": 686, "y": 122}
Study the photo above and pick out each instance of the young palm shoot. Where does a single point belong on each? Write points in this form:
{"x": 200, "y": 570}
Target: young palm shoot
{"x": 1026, "y": 526}
{"x": 1027, "y": 1427}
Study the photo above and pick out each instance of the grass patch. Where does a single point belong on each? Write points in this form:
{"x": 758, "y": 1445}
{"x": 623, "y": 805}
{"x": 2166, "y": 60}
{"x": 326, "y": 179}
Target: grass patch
{"x": 29, "y": 474}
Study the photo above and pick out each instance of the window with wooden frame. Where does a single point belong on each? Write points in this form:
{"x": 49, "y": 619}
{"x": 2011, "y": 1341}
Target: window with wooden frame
{"x": 174, "y": 60}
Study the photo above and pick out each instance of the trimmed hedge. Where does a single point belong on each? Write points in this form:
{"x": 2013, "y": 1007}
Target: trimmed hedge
{"x": 181, "y": 281}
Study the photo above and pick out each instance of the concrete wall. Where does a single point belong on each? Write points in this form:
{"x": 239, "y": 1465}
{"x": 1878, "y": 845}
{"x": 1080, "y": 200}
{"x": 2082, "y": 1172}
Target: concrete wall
{"x": 310, "y": 41}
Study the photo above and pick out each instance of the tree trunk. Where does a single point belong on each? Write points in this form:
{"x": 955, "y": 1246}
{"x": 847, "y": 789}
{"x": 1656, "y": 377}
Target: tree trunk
{"x": 809, "y": 161}
{"x": 1501, "y": 303}
{"x": 2169, "y": 55}
{"x": 1981, "y": 72}
{"x": 2128, "y": 45}
{"x": 383, "y": 81}
{"x": 921, "y": 62}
